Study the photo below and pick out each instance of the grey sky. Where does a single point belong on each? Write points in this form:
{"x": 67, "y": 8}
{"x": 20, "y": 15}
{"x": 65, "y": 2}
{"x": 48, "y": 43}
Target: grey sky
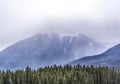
{"x": 22, "y": 18}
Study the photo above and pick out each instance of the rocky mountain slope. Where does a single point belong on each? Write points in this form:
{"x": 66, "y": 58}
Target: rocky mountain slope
{"x": 47, "y": 49}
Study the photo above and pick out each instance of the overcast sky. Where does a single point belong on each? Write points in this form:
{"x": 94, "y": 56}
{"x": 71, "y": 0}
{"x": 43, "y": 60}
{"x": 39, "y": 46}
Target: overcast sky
{"x": 20, "y": 19}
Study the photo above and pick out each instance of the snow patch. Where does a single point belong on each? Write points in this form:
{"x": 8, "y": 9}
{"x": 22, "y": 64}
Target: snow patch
{"x": 35, "y": 38}
{"x": 90, "y": 43}
{"x": 70, "y": 41}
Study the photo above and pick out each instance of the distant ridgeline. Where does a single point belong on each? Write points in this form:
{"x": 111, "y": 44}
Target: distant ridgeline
{"x": 110, "y": 58}
{"x": 62, "y": 75}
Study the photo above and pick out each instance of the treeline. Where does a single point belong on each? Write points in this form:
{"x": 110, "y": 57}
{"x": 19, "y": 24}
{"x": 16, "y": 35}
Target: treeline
{"x": 62, "y": 75}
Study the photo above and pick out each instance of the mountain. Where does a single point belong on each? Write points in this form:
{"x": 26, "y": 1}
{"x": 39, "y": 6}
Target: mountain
{"x": 47, "y": 49}
{"x": 110, "y": 58}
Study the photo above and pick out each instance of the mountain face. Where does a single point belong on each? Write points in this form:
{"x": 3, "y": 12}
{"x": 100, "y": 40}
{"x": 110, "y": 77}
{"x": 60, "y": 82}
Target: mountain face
{"x": 47, "y": 49}
{"x": 109, "y": 58}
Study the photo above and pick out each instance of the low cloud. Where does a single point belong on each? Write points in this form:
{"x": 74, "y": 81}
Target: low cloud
{"x": 21, "y": 19}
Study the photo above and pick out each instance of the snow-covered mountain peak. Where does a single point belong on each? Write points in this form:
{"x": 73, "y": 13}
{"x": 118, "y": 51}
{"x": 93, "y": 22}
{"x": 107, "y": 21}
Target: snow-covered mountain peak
{"x": 47, "y": 49}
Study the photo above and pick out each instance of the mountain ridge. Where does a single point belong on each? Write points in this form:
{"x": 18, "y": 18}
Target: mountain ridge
{"x": 110, "y": 57}
{"x": 47, "y": 49}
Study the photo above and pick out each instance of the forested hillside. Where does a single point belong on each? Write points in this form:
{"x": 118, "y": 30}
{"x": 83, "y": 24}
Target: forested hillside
{"x": 61, "y": 75}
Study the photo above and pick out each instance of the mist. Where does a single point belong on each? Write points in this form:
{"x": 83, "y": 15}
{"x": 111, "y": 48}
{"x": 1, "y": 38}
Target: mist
{"x": 97, "y": 18}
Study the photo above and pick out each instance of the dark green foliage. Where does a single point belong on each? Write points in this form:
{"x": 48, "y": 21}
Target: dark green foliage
{"x": 62, "y": 75}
